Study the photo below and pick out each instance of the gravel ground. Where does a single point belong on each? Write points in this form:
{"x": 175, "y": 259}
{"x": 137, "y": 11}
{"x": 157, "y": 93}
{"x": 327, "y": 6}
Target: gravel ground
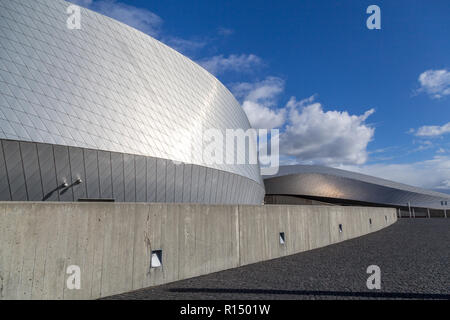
{"x": 414, "y": 257}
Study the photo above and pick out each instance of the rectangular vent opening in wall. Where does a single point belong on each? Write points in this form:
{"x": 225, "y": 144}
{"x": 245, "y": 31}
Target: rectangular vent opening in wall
{"x": 282, "y": 238}
{"x": 340, "y": 228}
{"x": 156, "y": 259}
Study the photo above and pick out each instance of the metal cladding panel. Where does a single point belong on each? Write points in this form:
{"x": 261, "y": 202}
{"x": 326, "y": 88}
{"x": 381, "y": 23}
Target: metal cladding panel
{"x": 187, "y": 183}
{"x": 14, "y": 168}
{"x": 237, "y": 194}
{"x": 106, "y": 87}
{"x": 5, "y": 194}
{"x": 229, "y": 194}
{"x": 31, "y": 170}
{"x": 179, "y": 173}
{"x": 339, "y": 184}
{"x": 234, "y": 191}
{"x": 240, "y": 187}
{"x": 48, "y": 172}
{"x": 214, "y": 185}
{"x": 226, "y": 181}
{"x": 246, "y": 190}
{"x": 151, "y": 179}
{"x": 208, "y": 180}
{"x": 160, "y": 180}
{"x": 105, "y": 174}
{"x": 220, "y": 187}
{"x": 129, "y": 178}
{"x": 63, "y": 174}
{"x": 228, "y": 189}
{"x": 170, "y": 181}
{"x": 226, "y": 184}
{"x": 194, "y": 184}
{"x": 201, "y": 185}
{"x": 92, "y": 176}
{"x": 77, "y": 168}
{"x": 141, "y": 179}
{"x": 232, "y": 196}
{"x": 117, "y": 177}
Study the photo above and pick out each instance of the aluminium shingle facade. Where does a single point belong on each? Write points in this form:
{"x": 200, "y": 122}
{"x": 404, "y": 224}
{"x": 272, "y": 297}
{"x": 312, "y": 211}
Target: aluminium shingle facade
{"x": 111, "y": 106}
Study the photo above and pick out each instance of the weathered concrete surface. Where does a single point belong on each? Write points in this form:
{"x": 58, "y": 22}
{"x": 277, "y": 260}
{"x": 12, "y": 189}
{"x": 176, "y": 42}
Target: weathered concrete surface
{"x": 413, "y": 256}
{"x": 112, "y": 242}
{"x": 305, "y": 228}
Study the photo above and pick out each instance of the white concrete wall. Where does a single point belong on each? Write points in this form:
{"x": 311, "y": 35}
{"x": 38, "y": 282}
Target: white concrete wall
{"x": 112, "y": 242}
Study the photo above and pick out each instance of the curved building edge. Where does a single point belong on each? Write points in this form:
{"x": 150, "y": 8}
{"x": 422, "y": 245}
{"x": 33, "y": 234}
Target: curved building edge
{"x": 32, "y": 171}
{"x": 108, "y": 87}
{"x": 325, "y": 184}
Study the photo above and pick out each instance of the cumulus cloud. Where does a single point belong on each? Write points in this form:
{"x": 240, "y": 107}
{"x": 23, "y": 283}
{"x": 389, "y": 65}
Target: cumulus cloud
{"x": 262, "y": 117}
{"x": 259, "y": 102}
{"x": 430, "y": 174}
{"x": 325, "y": 137}
{"x": 151, "y": 24}
{"x": 225, "y": 31}
{"x": 139, "y": 18}
{"x": 435, "y": 83}
{"x": 184, "y": 46}
{"x": 220, "y": 64}
{"x": 308, "y": 133}
{"x": 432, "y": 131}
{"x": 143, "y": 20}
{"x": 444, "y": 186}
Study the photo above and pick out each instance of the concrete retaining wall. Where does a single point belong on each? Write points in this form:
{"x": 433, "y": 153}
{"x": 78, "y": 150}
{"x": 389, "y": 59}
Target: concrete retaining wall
{"x": 112, "y": 242}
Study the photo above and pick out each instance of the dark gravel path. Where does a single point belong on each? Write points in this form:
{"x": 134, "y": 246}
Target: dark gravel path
{"x": 414, "y": 257}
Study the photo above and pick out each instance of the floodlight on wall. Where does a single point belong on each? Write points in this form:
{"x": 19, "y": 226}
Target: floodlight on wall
{"x": 340, "y": 228}
{"x": 67, "y": 187}
{"x": 63, "y": 186}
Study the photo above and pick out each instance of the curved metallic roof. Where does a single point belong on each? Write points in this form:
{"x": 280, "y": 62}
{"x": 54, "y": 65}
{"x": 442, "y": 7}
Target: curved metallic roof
{"x": 328, "y": 182}
{"x": 108, "y": 87}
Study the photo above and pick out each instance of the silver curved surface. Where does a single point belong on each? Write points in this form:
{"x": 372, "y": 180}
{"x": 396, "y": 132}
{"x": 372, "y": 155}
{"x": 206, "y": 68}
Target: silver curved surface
{"x": 106, "y": 87}
{"x": 109, "y": 87}
{"x": 325, "y": 182}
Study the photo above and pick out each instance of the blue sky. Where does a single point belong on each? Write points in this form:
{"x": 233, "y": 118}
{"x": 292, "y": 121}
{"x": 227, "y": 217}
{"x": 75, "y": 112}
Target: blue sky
{"x": 373, "y": 101}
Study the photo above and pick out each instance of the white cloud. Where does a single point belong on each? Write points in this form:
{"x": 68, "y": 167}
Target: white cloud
{"x": 139, "y": 18}
{"x": 143, "y": 20}
{"x": 444, "y": 186}
{"x": 225, "y": 31}
{"x": 183, "y": 45}
{"x": 429, "y": 174}
{"x": 83, "y": 3}
{"x": 259, "y": 101}
{"x": 265, "y": 91}
{"x": 263, "y": 117}
{"x": 436, "y": 83}
{"x": 311, "y": 135}
{"x": 220, "y": 64}
{"x": 433, "y": 131}
{"x": 325, "y": 137}
{"x": 151, "y": 24}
